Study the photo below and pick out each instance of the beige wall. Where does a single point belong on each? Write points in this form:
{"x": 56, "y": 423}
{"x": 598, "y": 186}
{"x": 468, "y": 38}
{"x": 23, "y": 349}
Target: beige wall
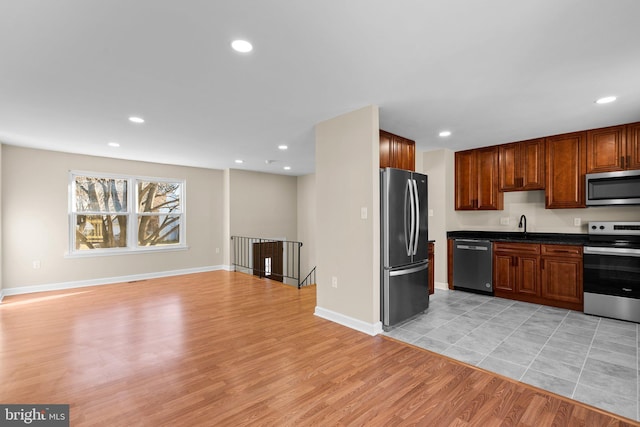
{"x": 440, "y": 167}
{"x": 35, "y": 219}
{"x": 348, "y": 248}
{"x": 307, "y": 222}
{"x": 262, "y": 205}
{"x": 434, "y": 166}
{"x": 1, "y": 293}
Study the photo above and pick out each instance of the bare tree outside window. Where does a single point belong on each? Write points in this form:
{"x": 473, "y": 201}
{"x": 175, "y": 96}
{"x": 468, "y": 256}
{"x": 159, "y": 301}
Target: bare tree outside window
{"x": 103, "y": 217}
{"x": 158, "y": 224}
{"x": 97, "y": 200}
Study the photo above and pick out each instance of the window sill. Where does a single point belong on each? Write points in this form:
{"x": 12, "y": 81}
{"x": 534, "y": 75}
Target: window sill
{"x": 114, "y": 252}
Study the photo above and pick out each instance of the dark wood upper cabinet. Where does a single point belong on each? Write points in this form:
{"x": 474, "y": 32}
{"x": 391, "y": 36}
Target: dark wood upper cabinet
{"x": 614, "y": 148}
{"x": 606, "y": 149}
{"x": 633, "y": 146}
{"x": 397, "y": 151}
{"x": 522, "y": 165}
{"x": 566, "y": 167}
{"x": 476, "y": 175}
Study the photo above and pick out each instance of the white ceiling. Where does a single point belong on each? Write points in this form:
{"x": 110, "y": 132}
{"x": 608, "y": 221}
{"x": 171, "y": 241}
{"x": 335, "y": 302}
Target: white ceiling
{"x": 492, "y": 71}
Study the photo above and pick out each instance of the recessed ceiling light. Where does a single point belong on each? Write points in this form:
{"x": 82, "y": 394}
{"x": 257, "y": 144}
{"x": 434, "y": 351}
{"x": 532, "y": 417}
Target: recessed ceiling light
{"x": 241, "y": 46}
{"x": 282, "y": 147}
{"x": 606, "y": 100}
{"x": 136, "y": 119}
{"x": 239, "y": 161}
{"x": 445, "y": 133}
{"x": 287, "y": 168}
{"x": 113, "y": 144}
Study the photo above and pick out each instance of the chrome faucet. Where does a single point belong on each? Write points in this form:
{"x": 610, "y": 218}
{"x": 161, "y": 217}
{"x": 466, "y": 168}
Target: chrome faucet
{"x": 523, "y": 221}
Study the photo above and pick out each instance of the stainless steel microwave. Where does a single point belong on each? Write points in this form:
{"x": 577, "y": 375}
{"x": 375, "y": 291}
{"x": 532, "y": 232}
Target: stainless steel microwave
{"x": 613, "y": 188}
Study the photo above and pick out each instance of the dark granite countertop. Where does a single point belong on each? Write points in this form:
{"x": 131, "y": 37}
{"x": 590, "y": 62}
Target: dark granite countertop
{"x": 519, "y": 237}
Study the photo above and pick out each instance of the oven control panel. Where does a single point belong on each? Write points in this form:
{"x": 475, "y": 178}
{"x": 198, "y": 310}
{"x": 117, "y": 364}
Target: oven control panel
{"x": 614, "y": 227}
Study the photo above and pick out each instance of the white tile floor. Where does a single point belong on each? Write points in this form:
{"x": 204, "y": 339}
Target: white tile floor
{"x": 587, "y": 358}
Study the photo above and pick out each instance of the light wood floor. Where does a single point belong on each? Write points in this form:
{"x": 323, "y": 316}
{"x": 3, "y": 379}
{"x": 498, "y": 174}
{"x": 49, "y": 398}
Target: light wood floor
{"x": 227, "y": 349}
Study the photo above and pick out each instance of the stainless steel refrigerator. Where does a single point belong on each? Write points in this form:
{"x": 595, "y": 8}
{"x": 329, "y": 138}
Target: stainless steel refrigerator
{"x": 404, "y": 235}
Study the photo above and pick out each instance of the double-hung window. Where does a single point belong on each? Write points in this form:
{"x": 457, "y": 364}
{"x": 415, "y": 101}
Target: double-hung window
{"x": 113, "y": 214}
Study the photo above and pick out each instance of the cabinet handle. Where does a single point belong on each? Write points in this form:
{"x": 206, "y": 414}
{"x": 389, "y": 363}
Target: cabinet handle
{"x": 628, "y": 162}
{"x": 622, "y": 162}
{"x": 542, "y": 264}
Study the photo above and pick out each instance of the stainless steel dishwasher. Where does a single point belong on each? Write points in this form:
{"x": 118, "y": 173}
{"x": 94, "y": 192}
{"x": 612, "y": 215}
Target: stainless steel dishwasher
{"x": 473, "y": 265}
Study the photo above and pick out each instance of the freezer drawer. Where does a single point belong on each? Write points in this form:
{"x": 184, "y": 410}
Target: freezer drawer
{"x": 405, "y": 293}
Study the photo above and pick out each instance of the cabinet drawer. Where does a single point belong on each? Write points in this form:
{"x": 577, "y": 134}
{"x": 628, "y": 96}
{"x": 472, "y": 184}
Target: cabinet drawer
{"x": 520, "y": 248}
{"x": 562, "y": 250}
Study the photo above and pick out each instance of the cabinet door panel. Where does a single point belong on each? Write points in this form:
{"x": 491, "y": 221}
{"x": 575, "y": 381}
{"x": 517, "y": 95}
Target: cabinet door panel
{"x": 633, "y": 146}
{"x": 404, "y": 153}
{"x": 562, "y": 279}
{"x": 503, "y": 275}
{"x": 465, "y": 185}
{"x": 532, "y": 169}
{"x": 528, "y": 275}
{"x": 385, "y": 150}
{"x": 565, "y": 159}
{"x": 431, "y": 257}
{"x": 508, "y": 160}
{"x": 606, "y": 149}
{"x": 489, "y": 198}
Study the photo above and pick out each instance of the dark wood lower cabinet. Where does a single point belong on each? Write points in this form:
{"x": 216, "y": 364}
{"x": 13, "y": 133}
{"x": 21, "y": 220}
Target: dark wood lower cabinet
{"x": 541, "y": 274}
{"x": 516, "y": 269}
{"x": 562, "y": 275}
{"x": 431, "y": 258}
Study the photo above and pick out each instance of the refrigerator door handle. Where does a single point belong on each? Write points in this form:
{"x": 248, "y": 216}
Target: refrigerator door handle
{"x": 408, "y": 237}
{"x": 417, "y": 217}
{"x": 415, "y": 269}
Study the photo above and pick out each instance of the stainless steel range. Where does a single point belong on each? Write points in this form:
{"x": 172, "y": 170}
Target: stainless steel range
{"x": 612, "y": 270}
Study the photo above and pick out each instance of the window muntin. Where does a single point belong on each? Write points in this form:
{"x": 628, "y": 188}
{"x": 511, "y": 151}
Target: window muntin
{"x": 100, "y": 221}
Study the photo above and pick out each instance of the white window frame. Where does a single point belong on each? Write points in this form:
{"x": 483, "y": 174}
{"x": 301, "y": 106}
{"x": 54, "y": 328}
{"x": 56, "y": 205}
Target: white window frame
{"x": 131, "y": 213}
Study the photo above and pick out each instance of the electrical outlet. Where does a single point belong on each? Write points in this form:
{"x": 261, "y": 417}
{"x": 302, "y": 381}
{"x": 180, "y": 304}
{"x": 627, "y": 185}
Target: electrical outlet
{"x": 577, "y": 222}
{"x": 363, "y": 212}
{"x": 36, "y": 264}
{"x": 334, "y": 282}
{"x": 430, "y": 212}
{"x": 504, "y": 220}
{"x": 217, "y": 250}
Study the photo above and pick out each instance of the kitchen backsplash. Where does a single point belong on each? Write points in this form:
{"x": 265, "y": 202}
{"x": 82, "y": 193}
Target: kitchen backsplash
{"x": 539, "y": 219}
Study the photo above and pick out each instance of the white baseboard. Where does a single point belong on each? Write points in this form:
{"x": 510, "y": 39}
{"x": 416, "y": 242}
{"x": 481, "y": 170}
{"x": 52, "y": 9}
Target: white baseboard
{"x": 108, "y": 280}
{"x": 441, "y": 285}
{"x": 1, "y": 295}
{"x": 349, "y": 322}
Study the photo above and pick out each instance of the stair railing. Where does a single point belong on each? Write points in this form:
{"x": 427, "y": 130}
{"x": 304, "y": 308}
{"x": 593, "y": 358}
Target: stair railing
{"x": 310, "y": 279}
{"x": 247, "y": 253}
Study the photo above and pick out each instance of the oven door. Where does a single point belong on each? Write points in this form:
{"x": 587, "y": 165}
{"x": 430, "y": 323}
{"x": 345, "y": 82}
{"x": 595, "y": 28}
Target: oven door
{"x": 612, "y": 271}
{"x": 612, "y": 283}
